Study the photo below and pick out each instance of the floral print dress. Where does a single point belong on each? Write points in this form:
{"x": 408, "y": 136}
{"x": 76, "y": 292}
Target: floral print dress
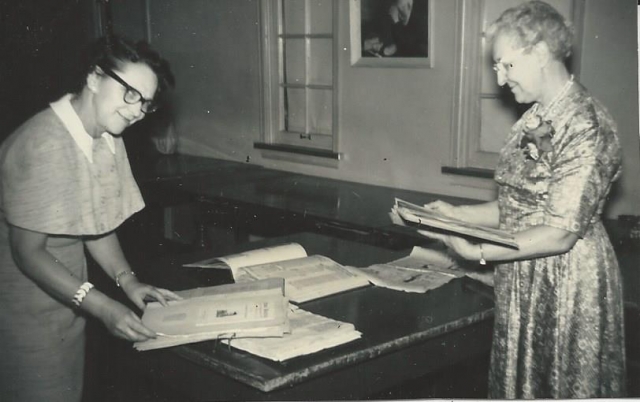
{"x": 559, "y": 329}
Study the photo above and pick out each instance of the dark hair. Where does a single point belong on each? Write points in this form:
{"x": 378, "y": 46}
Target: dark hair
{"x": 533, "y": 22}
{"x": 112, "y": 52}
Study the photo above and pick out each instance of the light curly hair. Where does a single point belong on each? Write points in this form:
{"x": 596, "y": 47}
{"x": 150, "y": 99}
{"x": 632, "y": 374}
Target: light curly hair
{"x": 533, "y": 22}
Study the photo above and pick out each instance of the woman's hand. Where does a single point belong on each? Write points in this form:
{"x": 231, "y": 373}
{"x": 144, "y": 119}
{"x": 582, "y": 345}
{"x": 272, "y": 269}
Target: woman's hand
{"x": 442, "y": 208}
{"x": 138, "y": 292}
{"x": 459, "y": 245}
{"x": 395, "y": 217}
{"x": 124, "y": 323}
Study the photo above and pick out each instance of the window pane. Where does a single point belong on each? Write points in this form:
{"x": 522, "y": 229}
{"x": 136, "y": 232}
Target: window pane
{"x": 495, "y": 130}
{"x": 321, "y": 52}
{"x": 294, "y": 109}
{"x": 320, "y": 16}
{"x": 293, "y": 16}
{"x": 294, "y": 54}
{"x": 320, "y": 110}
{"x": 304, "y": 68}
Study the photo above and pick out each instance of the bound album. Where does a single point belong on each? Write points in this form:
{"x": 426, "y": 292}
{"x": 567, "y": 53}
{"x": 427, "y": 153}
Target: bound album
{"x": 253, "y": 309}
{"x": 310, "y": 333}
{"x": 422, "y": 216}
{"x": 306, "y": 277}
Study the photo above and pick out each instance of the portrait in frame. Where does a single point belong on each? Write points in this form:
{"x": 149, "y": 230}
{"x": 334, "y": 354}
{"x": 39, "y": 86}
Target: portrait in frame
{"x": 391, "y": 33}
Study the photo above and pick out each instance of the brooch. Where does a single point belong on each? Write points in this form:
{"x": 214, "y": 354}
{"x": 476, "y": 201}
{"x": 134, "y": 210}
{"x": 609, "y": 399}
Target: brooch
{"x": 537, "y": 136}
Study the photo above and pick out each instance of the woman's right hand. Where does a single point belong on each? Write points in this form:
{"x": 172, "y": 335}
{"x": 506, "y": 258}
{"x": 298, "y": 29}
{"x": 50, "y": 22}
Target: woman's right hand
{"x": 442, "y": 208}
{"x": 124, "y": 323}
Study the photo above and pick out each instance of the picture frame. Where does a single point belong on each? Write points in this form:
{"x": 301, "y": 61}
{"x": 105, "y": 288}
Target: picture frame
{"x": 391, "y": 33}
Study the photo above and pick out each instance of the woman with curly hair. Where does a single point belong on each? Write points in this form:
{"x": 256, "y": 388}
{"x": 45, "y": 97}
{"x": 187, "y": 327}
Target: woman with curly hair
{"x": 559, "y": 329}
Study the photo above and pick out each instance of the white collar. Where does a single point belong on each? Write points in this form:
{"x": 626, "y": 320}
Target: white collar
{"x": 62, "y": 107}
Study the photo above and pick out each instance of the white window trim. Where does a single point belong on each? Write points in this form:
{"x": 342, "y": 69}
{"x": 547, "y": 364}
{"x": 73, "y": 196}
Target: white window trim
{"x": 272, "y": 71}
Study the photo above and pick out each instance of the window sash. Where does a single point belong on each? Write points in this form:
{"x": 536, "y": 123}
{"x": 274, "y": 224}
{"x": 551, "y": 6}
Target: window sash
{"x": 300, "y": 73}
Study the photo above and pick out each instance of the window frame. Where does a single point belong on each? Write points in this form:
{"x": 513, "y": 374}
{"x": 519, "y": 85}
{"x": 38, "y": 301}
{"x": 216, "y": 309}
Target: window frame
{"x": 271, "y": 78}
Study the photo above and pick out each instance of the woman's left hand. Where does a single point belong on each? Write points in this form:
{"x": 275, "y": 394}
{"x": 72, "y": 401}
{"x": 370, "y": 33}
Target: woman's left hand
{"x": 138, "y": 292}
{"x": 462, "y": 247}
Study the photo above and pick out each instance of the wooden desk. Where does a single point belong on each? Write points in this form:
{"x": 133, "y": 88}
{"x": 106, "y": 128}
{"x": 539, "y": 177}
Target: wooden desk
{"x": 405, "y": 336}
{"x": 251, "y": 197}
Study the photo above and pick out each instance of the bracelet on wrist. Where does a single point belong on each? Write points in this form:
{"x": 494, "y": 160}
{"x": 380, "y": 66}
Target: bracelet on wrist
{"x": 121, "y": 274}
{"x": 81, "y": 293}
{"x": 482, "y": 260}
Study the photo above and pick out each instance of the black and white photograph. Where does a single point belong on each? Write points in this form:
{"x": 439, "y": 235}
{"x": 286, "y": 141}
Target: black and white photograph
{"x": 319, "y": 200}
{"x": 394, "y": 28}
{"x": 391, "y": 33}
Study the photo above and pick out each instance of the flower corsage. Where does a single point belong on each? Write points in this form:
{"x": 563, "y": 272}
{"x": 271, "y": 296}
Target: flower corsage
{"x": 537, "y": 137}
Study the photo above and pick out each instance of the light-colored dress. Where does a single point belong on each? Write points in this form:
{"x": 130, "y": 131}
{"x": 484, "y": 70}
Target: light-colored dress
{"x": 67, "y": 186}
{"x": 559, "y": 329}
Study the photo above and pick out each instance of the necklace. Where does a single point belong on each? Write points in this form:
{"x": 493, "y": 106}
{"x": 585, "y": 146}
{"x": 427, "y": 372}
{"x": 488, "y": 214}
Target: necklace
{"x": 537, "y": 116}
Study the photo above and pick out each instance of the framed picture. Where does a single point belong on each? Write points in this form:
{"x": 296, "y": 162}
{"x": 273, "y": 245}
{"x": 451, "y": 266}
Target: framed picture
{"x": 391, "y": 33}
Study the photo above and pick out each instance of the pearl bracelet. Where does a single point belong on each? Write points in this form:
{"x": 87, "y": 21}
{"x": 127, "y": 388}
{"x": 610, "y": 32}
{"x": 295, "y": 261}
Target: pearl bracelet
{"x": 82, "y": 292}
{"x": 122, "y": 273}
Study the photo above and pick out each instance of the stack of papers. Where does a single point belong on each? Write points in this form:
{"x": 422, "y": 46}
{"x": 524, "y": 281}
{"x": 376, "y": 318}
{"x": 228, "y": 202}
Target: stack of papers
{"x": 412, "y": 280}
{"x": 256, "y": 309}
{"x": 306, "y": 277}
{"x": 310, "y": 333}
{"x": 425, "y": 269}
{"x": 426, "y": 217}
{"x": 254, "y": 314}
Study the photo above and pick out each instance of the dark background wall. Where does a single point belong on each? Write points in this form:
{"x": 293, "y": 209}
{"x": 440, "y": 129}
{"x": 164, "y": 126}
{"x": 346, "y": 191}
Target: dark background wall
{"x": 40, "y": 44}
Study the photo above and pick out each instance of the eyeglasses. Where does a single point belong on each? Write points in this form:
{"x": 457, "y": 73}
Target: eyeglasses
{"x": 132, "y": 95}
{"x": 501, "y": 66}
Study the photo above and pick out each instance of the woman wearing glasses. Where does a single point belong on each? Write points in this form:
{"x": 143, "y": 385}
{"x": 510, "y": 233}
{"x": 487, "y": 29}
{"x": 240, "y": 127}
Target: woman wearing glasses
{"x": 559, "y": 309}
{"x": 65, "y": 185}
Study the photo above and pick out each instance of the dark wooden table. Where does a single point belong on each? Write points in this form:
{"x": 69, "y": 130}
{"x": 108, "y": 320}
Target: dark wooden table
{"x": 251, "y": 198}
{"x": 405, "y": 336}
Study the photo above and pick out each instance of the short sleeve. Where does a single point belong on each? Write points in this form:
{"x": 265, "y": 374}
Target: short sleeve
{"x": 583, "y": 171}
{"x": 34, "y": 182}
{"x": 49, "y": 186}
